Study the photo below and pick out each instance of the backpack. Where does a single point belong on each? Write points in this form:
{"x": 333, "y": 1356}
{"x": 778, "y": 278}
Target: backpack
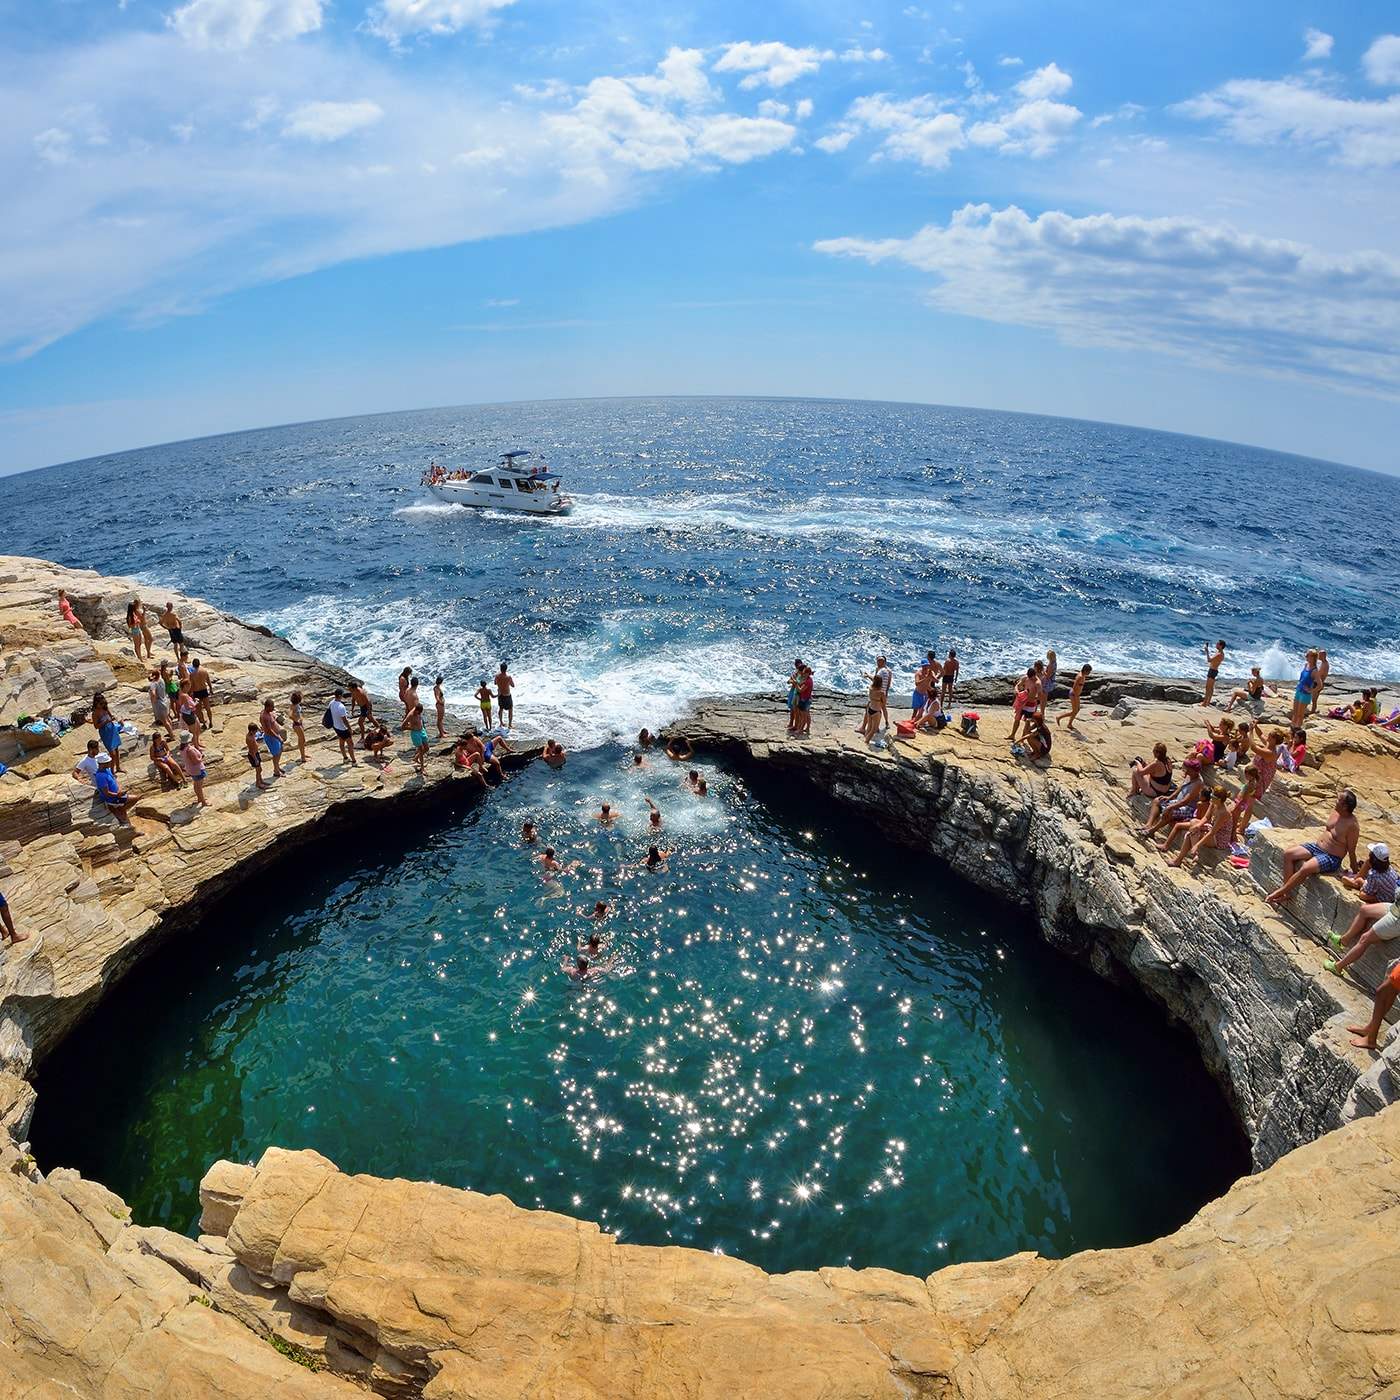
{"x": 326, "y": 721}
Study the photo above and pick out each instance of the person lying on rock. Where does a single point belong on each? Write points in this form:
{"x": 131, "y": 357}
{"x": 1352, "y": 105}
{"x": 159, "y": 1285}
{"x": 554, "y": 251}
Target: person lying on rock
{"x": 1324, "y": 856}
{"x": 1364, "y": 1037}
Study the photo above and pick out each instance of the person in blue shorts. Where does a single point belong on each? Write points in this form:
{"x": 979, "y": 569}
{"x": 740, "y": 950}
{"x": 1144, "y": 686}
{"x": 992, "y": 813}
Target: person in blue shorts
{"x": 11, "y": 933}
{"x": 1306, "y": 688}
{"x": 274, "y": 736}
{"x": 1325, "y": 856}
{"x": 418, "y": 733}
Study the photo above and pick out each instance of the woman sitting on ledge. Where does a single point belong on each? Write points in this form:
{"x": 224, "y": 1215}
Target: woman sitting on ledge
{"x": 1252, "y": 692}
{"x": 1376, "y": 921}
{"x": 1323, "y": 857}
{"x": 1180, "y": 806}
{"x": 1153, "y": 779}
{"x": 1210, "y": 829}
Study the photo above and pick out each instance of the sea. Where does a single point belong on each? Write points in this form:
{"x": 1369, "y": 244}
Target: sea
{"x": 803, "y": 1046}
{"x": 712, "y": 540}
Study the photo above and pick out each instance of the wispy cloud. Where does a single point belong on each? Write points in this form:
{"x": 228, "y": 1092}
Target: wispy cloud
{"x": 494, "y": 327}
{"x": 1316, "y": 46}
{"x": 1204, "y": 292}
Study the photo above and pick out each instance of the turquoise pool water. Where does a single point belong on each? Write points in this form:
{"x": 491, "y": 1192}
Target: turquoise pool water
{"x": 810, "y": 1049}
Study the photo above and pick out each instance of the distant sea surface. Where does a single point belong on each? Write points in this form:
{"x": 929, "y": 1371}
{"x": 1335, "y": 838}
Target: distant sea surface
{"x": 714, "y": 539}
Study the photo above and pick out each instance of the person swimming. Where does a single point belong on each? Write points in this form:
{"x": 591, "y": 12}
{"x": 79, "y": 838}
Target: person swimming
{"x": 654, "y": 820}
{"x": 606, "y": 814}
{"x": 656, "y": 858}
{"x": 529, "y": 833}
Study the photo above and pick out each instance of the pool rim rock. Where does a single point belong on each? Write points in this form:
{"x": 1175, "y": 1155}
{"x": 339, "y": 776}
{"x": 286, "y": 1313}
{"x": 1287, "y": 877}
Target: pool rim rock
{"x": 101, "y": 1306}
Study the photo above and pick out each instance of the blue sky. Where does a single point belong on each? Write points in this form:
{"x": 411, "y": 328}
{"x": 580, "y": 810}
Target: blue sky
{"x": 227, "y": 213}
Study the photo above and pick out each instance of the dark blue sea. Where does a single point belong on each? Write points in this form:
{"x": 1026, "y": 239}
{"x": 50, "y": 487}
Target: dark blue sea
{"x": 713, "y": 539}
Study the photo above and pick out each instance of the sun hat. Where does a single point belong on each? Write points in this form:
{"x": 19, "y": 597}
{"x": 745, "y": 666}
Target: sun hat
{"x": 103, "y": 758}
{"x": 1380, "y": 850}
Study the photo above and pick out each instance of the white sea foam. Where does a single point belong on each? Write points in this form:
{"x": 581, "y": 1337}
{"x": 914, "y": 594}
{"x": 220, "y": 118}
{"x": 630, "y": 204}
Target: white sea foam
{"x": 430, "y": 510}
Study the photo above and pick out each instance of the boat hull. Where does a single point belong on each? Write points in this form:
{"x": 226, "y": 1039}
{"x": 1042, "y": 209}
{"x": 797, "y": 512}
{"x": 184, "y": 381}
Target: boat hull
{"x": 467, "y": 493}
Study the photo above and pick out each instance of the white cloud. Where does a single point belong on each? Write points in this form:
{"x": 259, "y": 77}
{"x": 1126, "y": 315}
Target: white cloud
{"x": 660, "y": 121}
{"x": 1205, "y": 292}
{"x": 146, "y": 176}
{"x": 1382, "y": 61}
{"x": 928, "y": 129}
{"x": 1009, "y": 61}
{"x": 804, "y": 109}
{"x": 396, "y": 20}
{"x": 771, "y": 107}
{"x": 916, "y": 128}
{"x": 1050, "y": 81}
{"x": 770, "y": 64}
{"x": 1267, "y": 111}
{"x": 235, "y": 24}
{"x": 501, "y": 301}
{"x": 859, "y": 55}
{"x": 1032, "y": 129}
{"x": 1316, "y": 46}
{"x": 330, "y": 121}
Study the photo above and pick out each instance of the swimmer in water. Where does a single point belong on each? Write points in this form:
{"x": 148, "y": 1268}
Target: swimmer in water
{"x": 654, "y": 820}
{"x": 656, "y": 858}
{"x": 702, "y": 788}
{"x": 693, "y": 780}
{"x": 529, "y": 833}
{"x": 639, "y": 760}
{"x": 679, "y": 749}
{"x": 593, "y": 947}
{"x": 607, "y": 814}
{"x": 601, "y": 910}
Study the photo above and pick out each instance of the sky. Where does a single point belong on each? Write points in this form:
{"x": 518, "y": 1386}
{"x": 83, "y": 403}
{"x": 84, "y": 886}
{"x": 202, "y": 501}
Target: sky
{"x": 220, "y": 214}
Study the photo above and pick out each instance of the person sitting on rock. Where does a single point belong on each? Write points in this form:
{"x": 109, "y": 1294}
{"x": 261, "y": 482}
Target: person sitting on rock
{"x": 109, "y": 791}
{"x": 1324, "y": 856}
{"x": 164, "y": 760}
{"x": 1179, "y": 827}
{"x": 1252, "y": 692}
{"x": 1179, "y": 804}
{"x": 1364, "y": 1037}
{"x": 1153, "y": 779}
{"x": 1376, "y": 921}
{"x": 377, "y": 739}
{"x": 1211, "y": 829}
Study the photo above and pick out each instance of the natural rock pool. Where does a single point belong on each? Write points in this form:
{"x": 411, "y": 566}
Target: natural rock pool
{"x": 812, "y": 1048}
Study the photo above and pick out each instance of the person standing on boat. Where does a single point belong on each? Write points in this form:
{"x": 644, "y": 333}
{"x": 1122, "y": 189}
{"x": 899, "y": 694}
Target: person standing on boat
{"x": 505, "y": 702}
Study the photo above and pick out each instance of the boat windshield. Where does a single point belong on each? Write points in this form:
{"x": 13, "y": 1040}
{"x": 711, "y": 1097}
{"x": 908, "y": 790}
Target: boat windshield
{"x": 484, "y": 478}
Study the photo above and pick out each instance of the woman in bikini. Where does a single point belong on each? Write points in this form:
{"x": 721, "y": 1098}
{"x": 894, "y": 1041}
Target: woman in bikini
{"x": 440, "y": 704}
{"x": 1180, "y": 806}
{"x": 874, "y": 708}
{"x": 1153, "y": 779}
{"x": 165, "y": 763}
{"x": 298, "y": 727}
{"x": 133, "y": 629}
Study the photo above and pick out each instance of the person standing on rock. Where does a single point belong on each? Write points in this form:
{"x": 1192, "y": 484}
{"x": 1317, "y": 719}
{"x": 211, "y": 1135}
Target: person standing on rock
{"x": 505, "y": 700}
{"x": 65, "y": 610}
{"x": 804, "y": 703}
{"x": 170, "y": 620}
{"x": 298, "y": 723}
{"x": 11, "y": 933}
{"x": 160, "y": 702}
{"x": 1052, "y": 670}
{"x": 364, "y": 706}
{"x": 202, "y": 691}
{"x": 110, "y": 732}
{"x": 1076, "y": 695}
{"x": 924, "y": 683}
{"x": 405, "y": 676}
{"x": 440, "y": 706}
{"x": 1214, "y": 661}
{"x": 135, "y": 627}
{"x": 339, "y": 718}
{"x": 1320, "y": 678}
{"x": 192, "y": 761}
{"x": 950, "y": 676}
{"x": 417, "y": 728}
{"x": 250, "y": 742}
{"x": 1304, "y": 691}
{"x": 274, "y": 736}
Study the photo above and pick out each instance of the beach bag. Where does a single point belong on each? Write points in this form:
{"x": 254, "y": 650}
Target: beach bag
{"x": 941, "y": 720}
{"x": 968, "y": 725}
{"x": 905, "y": 729}
{"x": 326, "y": 721}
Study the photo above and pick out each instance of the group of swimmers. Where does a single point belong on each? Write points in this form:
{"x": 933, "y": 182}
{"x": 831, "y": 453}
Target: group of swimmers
{"x": 587, "y": 963}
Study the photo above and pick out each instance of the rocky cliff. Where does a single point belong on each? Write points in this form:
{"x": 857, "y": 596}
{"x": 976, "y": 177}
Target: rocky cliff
{"x": 308, "y": 1282}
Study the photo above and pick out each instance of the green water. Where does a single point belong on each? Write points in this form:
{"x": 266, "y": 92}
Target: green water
{"x": 811, "y": 1048}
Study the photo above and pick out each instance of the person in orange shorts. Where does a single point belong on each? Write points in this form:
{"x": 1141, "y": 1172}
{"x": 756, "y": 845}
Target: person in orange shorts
{"x": 1364, "y": 1037}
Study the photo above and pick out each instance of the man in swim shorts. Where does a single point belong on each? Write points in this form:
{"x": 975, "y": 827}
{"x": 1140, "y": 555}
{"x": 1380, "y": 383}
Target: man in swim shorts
{"x": 170, "y": 620}
{"x": 505, "y": 701}
{"x": 364, "y": 707}
{"x": 1325, "y": 856}
{"x": 340, "y": 722}
{"x": 1214, "y": 661}
{"x": 273, "y": 736}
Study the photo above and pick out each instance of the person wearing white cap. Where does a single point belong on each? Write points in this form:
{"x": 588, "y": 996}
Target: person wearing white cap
{"x": 109, "y": 791}
{"x": 1378, "y": 919}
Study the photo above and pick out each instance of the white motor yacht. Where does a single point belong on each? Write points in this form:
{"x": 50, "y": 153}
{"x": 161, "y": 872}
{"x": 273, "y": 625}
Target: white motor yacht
{"x": 509, "y": 485}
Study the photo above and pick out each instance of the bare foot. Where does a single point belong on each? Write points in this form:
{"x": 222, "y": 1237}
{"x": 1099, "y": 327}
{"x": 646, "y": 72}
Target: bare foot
{"x": 18, "y": 938}
{"x": 1362, "y": 1041}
